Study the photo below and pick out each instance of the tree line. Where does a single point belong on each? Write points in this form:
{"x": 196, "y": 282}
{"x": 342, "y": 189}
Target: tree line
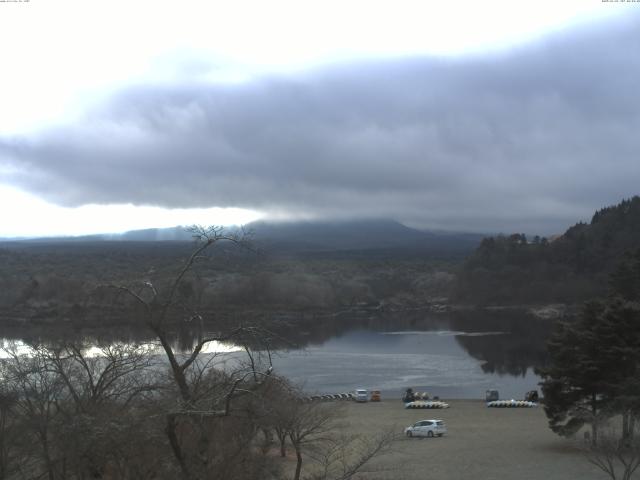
{"x": 514, "y": 269}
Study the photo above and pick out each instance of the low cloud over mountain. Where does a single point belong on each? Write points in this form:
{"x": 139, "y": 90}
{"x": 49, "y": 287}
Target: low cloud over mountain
{"x": 523, "y": 140}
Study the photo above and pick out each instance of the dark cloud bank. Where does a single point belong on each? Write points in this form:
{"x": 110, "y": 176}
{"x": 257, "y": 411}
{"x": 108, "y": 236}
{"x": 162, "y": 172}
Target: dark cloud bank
{"x": 530, "y": 140}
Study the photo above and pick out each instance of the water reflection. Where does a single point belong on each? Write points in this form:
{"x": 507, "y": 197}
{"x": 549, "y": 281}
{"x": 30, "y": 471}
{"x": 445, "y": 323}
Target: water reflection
{"x": 521, "y": 347}
{"x": 456, "y": 354}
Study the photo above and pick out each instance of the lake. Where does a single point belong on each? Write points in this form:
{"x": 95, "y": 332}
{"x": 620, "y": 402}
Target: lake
{"x": 443, "y": 362}
{"x": 452, "y": 355}
{"x": 458, "y": 355}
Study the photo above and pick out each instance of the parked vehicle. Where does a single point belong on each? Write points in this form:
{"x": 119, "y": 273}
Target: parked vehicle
{"x": 492, "y": 396}
{"x": 408, "y": 396}
{"x": 375, "y": 396}
{"x": 361, "y": 395}
{"x": 426, "y": 428}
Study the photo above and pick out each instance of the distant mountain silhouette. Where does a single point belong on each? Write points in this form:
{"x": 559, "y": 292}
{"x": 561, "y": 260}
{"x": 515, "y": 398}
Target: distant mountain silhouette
{"x": 313, "y": 236}
{"x": 357, "y": 235}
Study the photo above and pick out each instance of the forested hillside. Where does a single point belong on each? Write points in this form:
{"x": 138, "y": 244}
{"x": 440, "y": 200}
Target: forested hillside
{"x": 572, "y": 268}
{"x": 55, "y": 283}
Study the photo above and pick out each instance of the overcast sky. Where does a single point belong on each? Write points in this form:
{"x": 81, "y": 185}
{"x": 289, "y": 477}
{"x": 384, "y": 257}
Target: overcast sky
{"x": 494, "y": 116}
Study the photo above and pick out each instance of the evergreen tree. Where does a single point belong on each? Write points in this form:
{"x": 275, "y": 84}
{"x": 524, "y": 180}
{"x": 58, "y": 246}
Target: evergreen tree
{"x": 574, "y": 382}
{"x": 625, "y": 281}
{"x": 594, "y": 367}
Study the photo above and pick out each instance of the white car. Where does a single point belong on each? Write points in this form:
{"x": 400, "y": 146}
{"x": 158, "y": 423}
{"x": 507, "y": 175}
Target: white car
{"x": 426, "y": 428}
{"x": 361, "y": 395}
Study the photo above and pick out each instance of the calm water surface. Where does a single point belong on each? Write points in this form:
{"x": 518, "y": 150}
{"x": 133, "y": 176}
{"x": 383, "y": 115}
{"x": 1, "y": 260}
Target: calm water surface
{"x": 456, "y": 355}
{"x": 434, "y": 361}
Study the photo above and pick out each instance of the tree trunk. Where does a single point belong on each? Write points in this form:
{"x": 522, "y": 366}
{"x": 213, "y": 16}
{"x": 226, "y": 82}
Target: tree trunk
{"x": 298, "y": 449}
{"x": 283, "y": 448}
{"x": 170, "y": 430}
{"x": 298, "y": 463}
{"x": 625, "y": 425}
{"x": 282, "y": 438}
{"x": 268, "y": 440}
{"x": 4, "y": 458}
{"x": 178, "y": 373}
{"x": 46, "y": 454}
{"x": 594, "y": 422}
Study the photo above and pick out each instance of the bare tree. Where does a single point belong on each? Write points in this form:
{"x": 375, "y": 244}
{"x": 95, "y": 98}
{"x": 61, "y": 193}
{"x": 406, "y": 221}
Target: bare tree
{"x": 82, "y": 412}
{"x": 116, "y": 373}
{"x": 280, "y": 402}
{"x": 10, "y": 433}
{"x": 309, "y": 425}
{"x": 344, "y": 456}
{"x": 615, "y": 455}
{"x": 205, "y": 393}
{"x": 37, "y": 393}
{"x": 104, "y": 389}
{"x": 118, "y": 412}
{"x": 315, "y": 432}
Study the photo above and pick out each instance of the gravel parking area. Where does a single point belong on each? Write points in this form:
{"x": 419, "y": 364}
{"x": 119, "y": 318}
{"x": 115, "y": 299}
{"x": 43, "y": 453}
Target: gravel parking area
{"x": 482, "y": 443}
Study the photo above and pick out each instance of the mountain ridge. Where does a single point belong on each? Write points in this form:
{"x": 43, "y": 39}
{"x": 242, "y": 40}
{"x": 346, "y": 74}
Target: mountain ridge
{"x": 298, "y": 236}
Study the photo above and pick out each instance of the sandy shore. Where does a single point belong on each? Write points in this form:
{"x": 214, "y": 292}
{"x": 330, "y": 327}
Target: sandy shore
{"x": 482, "y": 443}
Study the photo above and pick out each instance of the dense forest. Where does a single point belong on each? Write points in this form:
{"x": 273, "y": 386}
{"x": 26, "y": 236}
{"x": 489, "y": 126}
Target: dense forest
{"x": 49, "y": 285}
{"x": 569, "y": 269}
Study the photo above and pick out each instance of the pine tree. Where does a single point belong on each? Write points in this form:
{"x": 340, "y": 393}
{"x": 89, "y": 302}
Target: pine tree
{"x": 573, "y": 382}
{"x": 594, "y": 367}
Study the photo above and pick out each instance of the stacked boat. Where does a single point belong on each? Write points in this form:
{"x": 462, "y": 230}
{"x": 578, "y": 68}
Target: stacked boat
{"x": 426, "y": 404}
{"x": 511, "y": 404}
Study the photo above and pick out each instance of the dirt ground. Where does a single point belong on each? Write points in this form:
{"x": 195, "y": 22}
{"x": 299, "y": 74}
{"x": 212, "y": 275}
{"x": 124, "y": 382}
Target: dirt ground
{"x": 482, "y": 444}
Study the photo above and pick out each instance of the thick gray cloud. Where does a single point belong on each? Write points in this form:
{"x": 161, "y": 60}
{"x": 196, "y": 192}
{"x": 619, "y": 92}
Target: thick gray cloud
{"x": 531, "y": 139}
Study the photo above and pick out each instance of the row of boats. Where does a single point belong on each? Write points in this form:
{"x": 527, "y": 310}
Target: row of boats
{"x": 494, "y": 404}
